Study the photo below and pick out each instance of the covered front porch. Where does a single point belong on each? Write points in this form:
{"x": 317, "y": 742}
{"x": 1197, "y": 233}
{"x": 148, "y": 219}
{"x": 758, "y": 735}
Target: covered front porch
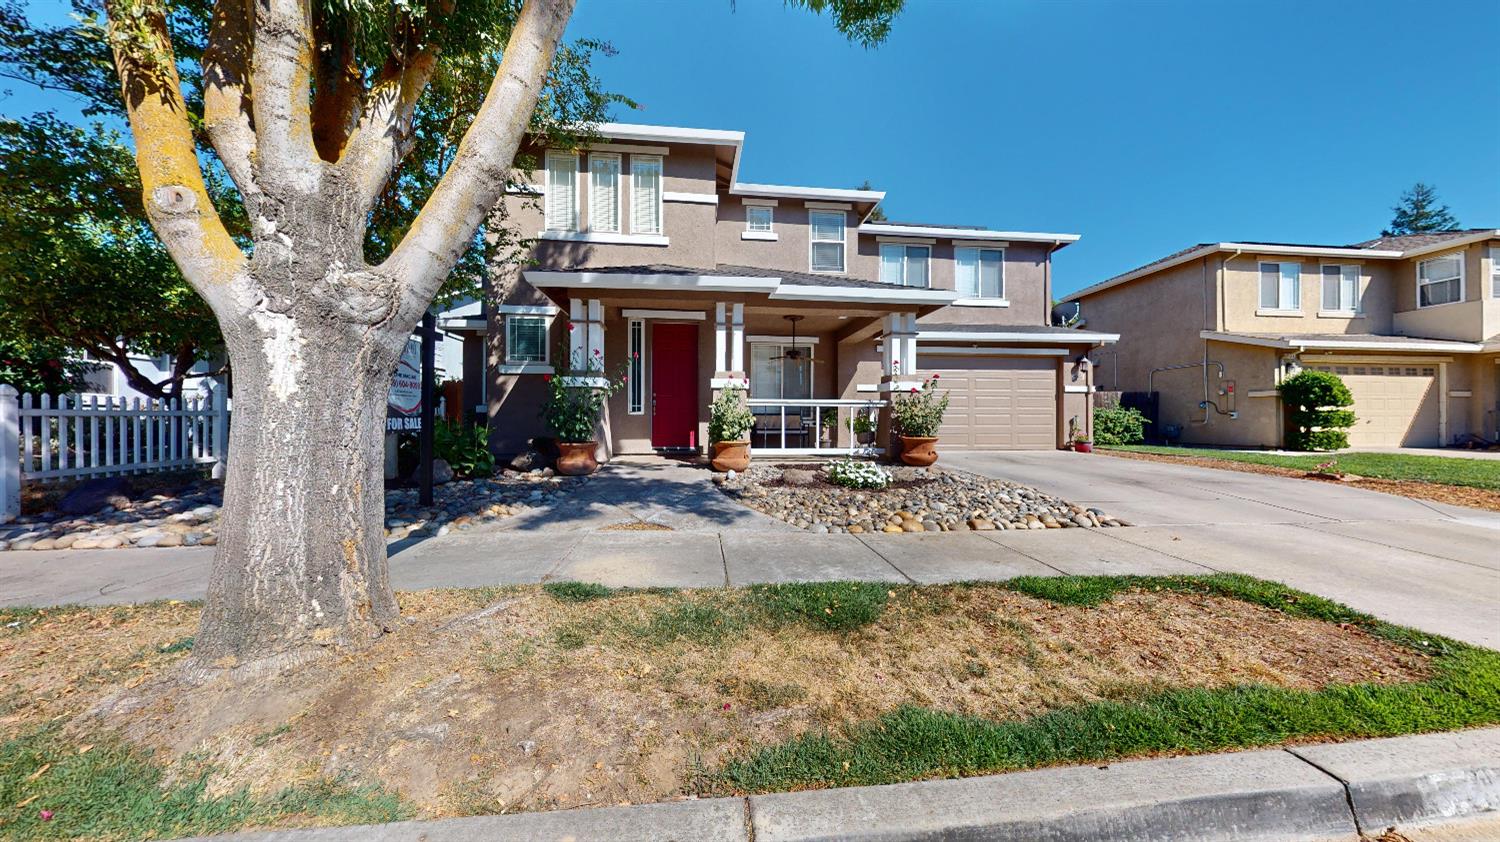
{"x": 810, "y": 355}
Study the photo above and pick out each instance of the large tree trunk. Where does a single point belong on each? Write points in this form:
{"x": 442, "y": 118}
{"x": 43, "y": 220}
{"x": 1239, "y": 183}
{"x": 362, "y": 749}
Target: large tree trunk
{"x": 301, "y": 558}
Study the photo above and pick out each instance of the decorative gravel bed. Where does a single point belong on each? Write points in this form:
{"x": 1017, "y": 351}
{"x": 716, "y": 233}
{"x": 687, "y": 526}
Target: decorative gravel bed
{"x": 190, "y": 516}
{"x": 931, "y": 499}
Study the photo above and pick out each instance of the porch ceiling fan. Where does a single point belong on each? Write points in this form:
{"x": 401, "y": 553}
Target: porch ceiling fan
{"x": 792, "y": 352}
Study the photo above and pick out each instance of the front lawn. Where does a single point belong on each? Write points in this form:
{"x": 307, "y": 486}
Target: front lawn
{"x": 569, "y": 695}
{"x": 1399, "y": 467}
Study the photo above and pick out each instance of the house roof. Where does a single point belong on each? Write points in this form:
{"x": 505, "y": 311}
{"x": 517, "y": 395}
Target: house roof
{"x": 1411, "y": 245}
{"x": 954, "y": 232}
{"x": 777, "y": 283}
{"x": 1343, "y": 342}
{"x": 1008, "y": 333}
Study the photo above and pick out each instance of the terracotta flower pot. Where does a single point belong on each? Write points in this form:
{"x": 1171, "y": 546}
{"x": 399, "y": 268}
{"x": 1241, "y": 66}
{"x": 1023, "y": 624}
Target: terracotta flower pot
{"x": 731, "y": 456}
{"x": 919, "y": 451}
{"x": 576, "y": 458}
{"x": 1083, "y": 446}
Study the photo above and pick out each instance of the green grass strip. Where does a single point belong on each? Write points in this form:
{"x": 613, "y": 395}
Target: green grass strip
{"x": 114, "y": 791}
{"x": 1444, "y": 470}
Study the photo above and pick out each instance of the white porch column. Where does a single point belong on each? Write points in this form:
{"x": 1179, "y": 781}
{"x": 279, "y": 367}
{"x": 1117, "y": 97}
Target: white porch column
{"x": 595, "y": 323}
{"x": 721, "y": 330}
{"x": 899, "y": 345}
{"x": 585, "y": 334}
{"x": 737, "y": 339}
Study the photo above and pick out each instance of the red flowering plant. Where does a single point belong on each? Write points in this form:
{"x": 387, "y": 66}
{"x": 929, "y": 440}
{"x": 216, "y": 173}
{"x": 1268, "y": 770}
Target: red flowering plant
{"x": 919, "y": 413}
{"x": 576, "y": 396}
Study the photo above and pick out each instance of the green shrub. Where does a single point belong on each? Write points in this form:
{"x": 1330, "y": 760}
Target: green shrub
{"x": 1317, "y": 404}
{"x": 575, "y": 399}
{"x": 465, "y": 447}
{"x": 1117, "y": 425}
{"x": 729, "y": 417}
{"x": 919, "y": 413}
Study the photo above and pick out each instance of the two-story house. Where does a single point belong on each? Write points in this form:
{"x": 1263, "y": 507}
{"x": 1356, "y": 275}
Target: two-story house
{"x": 1410, "y": 323}
{"x": 649, "y": 255}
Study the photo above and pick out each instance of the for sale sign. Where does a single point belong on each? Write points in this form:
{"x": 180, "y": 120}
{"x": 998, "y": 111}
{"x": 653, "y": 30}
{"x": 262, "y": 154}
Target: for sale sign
{"x": 403, "y": 411}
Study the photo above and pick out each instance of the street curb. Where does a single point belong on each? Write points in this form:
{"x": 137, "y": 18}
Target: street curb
{"x": 1301, "y": 793}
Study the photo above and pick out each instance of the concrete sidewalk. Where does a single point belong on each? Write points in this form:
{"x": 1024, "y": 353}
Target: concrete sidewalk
{"x": 1442, "y": 577}
{"x": 1327, "y": 792}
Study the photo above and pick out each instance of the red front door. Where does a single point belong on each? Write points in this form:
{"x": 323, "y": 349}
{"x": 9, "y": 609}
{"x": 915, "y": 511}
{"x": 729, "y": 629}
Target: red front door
{"x": 674, "y": 385}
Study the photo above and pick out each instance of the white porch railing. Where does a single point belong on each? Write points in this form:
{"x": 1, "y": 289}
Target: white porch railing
{"x": 812, "y": 427}
{"x": 72, "y": 437}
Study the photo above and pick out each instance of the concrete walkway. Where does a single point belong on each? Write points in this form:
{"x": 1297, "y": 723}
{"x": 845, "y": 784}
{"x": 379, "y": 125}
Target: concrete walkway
{"x": 1327, "y": 792}
{"x": 1420, "y": 564}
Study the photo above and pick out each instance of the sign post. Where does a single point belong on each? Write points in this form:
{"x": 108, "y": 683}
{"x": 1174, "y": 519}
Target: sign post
{"x": 429, "y": 403}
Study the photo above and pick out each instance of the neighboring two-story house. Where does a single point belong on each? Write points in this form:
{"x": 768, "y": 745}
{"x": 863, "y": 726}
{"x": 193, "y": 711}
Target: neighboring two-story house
{"x": 653, "y": 258}
{"x": 1411, "y": 324}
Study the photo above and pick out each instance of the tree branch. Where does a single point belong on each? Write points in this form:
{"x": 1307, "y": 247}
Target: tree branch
{"x": 281, "y": 78}
{"x": 338, "y": 90}
{"x": 481, "y": 167}
{"x": 176, "y": 199}
{"x": 227, "y": 110}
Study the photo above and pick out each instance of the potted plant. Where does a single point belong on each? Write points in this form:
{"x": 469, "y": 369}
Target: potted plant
{"x": 572, "y": 409}
{"x": 917, "y": 417}
{"x": 826, "y": 424}
{"x": 1082, "y": 444}
{"x": 863, "y": 427}
{"x": 729, "y": 421}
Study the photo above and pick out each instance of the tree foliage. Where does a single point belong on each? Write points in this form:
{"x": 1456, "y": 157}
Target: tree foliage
{"x": 34, "y": 366}
{"x": 1318, "y": 410}
{"x": 1418, "y": 212}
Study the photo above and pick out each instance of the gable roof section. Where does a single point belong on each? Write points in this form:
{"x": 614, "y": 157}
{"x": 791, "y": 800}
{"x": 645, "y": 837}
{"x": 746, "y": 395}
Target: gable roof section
{"x": 1412, "y": 245}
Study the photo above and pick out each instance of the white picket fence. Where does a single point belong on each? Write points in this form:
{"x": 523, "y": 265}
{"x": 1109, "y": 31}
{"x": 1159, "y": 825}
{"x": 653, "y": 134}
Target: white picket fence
{"x": 72, "y": 437}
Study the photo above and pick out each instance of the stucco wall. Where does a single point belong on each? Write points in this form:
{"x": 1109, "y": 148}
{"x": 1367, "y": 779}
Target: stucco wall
{"x": 1462, "y": 320}
{"x": 1242, "y": 298}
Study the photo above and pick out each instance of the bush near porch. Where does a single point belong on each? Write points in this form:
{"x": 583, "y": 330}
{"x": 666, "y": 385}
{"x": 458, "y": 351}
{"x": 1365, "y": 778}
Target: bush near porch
{"x": 536, "y": 698}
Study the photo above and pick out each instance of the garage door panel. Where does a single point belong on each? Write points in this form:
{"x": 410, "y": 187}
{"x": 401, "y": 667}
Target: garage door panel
{"x": 1394, "y": 406}
{"x": 997, "y": 402}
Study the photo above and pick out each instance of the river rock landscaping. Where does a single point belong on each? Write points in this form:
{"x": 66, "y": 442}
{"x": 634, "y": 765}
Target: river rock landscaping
{"x": 189, "y": 515}
{"x": 930, "y": 499}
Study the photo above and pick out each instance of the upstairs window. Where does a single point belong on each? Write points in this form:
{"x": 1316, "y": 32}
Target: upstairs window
{"x": 1440, "y": 280}
{"x": 1340, "y": 289}
{"x": 904, "y": 265}
{"x": 759, "y": 218}
{"x": 980, "y": 273}
{"x": 1281, "y": 286}
{"x": 826, "y": 229}
{"x": 562, "y": 191}
{"x": 525, "y": 339}
{"x": 1495, "y": 272}
{"x": 645, "y": 194}
{"x": 604, "y": 192}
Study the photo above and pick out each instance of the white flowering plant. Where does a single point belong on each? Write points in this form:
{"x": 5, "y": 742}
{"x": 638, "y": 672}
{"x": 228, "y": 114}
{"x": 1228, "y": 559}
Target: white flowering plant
{"x": 852, "y": 473}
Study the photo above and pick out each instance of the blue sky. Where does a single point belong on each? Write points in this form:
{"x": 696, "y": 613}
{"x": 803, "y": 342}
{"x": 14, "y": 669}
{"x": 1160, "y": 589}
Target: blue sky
{"x": 1143, "y": 126}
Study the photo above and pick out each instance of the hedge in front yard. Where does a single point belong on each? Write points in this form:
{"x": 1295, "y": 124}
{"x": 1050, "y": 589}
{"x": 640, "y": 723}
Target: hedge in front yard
{"x": 1117, "y": 425}
{"x": 1317, "y": 403}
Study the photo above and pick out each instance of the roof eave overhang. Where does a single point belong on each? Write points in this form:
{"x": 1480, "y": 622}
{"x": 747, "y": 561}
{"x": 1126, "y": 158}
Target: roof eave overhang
{"x": 880, "y": 228}
{"x": 1477, "y": 237}
{"x": 864, "y": 295}
{"x": 621, "y": 281}
{"x": 1059, "y": 338}
{"x": 1296, "y": 344}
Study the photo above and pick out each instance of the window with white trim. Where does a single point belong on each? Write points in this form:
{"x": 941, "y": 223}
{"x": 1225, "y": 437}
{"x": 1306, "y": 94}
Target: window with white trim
{"x": 759, "y": 218}
{"x": 1440, "y": 280}
{"x": 826, "y": 230}
{"x": 775, "y": 374}
{"x": 1495, "y": 273}
{"x": 562, "y": 191}
{"x": 645, "y": 194}
{"x": 636, "y": 386}
{"x": 1281, "y": 286}
{"x": 1340, "y": 288}
{"x": 604, "y": 192}
{"x": 905, "y": 265}
{"x": 525, "y": 339}
{"x": 979, "y": 273}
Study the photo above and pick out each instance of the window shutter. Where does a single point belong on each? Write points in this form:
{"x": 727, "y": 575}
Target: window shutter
{"x": 562, "y": 192}
{"x": 645, "y": 194}
{"x": 890, "y": 264}
{"x": 604, "y": 192}
{"x": 966, "y": 268}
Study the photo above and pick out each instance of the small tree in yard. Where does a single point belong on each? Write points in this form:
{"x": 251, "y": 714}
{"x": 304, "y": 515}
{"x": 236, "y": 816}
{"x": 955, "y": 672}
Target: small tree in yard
{"x": 1418, "y": 212}
{"x": 1317, "y": 403}
{"x": 309, "y": 107}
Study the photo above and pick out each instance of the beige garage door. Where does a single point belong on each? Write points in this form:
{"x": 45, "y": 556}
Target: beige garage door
{"x": 1397, "y": 405}
{"x": 1007, "y": 403}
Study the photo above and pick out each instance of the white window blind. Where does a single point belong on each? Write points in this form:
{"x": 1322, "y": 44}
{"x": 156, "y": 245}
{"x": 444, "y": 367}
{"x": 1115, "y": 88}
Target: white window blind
{"x": 1440, "y": 280}
{"x": 1280, "y": 286}
{"x": 604, "y": 192}
{"x": 980, "y": 272}
{"x": 645, "y": 194}
{"x": 758, "y": 218}
{"x": 904, "y": 265}
{"x": 562, "y": 191}
{"x": 826, "y": 229}
{"x": 1341, "y": 288}
{"x": 525, "y": 339}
